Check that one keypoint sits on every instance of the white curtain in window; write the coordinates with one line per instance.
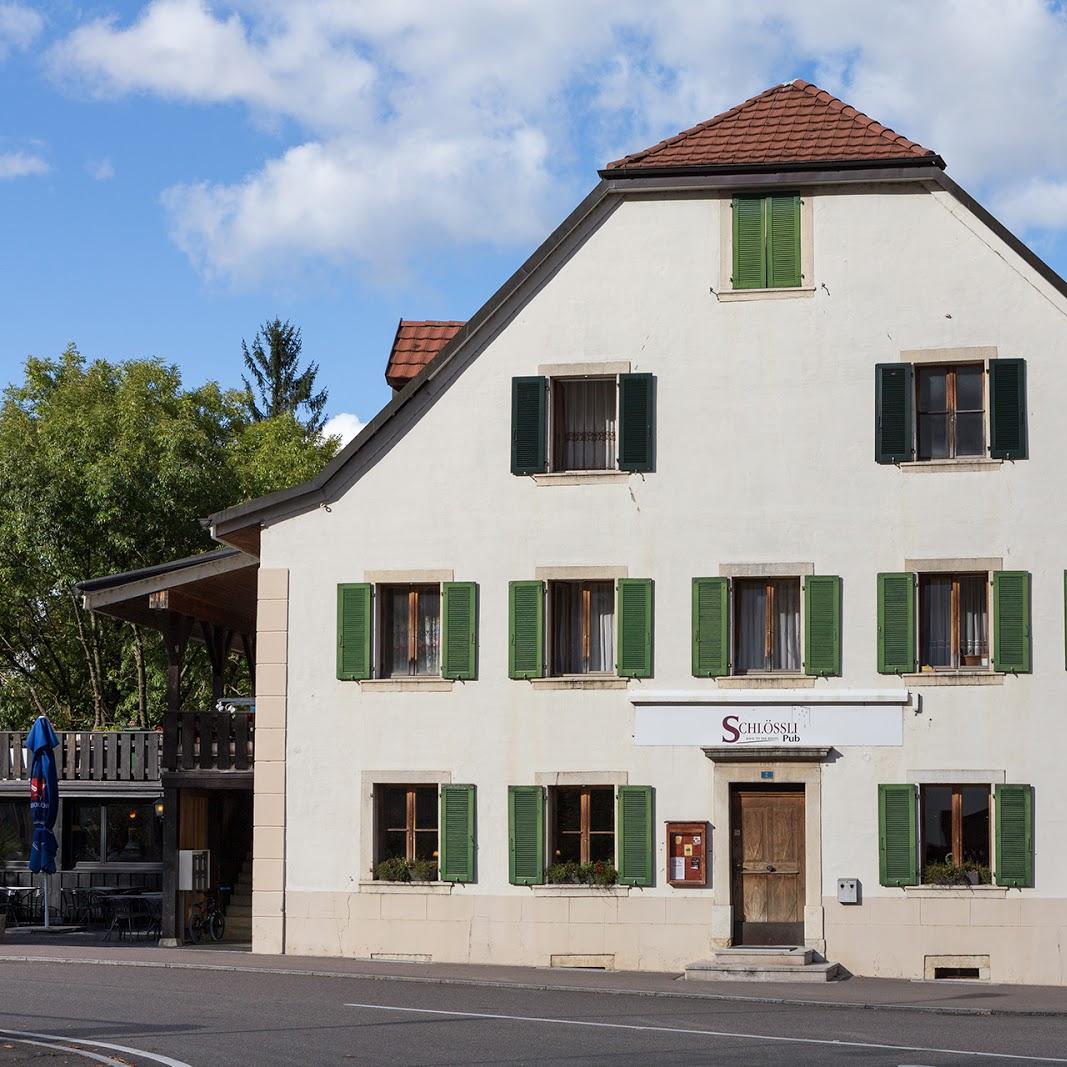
(787, 626)
(973, 640)
(587, 410)
(429, 636)
(601, 627)
(750, 654)
(937, 622)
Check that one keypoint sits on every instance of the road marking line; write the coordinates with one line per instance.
(154, 1057)
(712, 1033)
(68, 1048)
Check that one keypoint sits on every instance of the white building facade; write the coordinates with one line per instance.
(717, 558)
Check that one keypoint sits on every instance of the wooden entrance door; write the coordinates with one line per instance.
(767, 858)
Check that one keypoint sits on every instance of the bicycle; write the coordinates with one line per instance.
(207, 919)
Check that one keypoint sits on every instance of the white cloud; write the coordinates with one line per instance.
(344, 425)
(420, 123)
(101, 169)
(21, 165)
(19, 26)
(1037, 204)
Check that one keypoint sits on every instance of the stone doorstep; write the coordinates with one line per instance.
(773, 955)
(713, 971)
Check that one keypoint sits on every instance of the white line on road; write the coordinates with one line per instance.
(68, 1048)
(710, 1033)
(154, 1057)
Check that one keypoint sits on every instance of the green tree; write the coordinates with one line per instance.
(282, 387)
(107, 467)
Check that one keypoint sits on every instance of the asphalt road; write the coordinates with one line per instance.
(80, 1014)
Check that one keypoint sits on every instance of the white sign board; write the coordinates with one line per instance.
(790, 725)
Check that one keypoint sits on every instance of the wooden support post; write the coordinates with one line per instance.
(248, 643)
(171, 933)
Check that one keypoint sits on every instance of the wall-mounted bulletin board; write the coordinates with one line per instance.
(687, 855)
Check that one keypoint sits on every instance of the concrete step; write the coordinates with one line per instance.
(712, 971)
(770, 955)
(235, 911)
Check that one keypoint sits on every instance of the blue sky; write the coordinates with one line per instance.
(172, 173)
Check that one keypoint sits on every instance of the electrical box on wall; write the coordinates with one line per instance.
(848, 890)
(687, 853)
(194, 870)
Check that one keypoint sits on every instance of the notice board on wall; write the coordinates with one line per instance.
(687, 855)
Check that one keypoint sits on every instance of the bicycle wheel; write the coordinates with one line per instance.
(196, 929)
(216, 925)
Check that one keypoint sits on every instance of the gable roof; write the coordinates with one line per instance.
(796, 123)
(415, 344)
(240, 524)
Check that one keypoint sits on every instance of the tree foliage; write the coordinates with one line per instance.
(278, 385)
(107, 467)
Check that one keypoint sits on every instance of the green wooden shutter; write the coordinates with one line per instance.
(636, 419)
(896, 623)
(354, 631)
(636, 854)
(457, 833)
(1011, 621)
(894, 395)
(526, 834)
(898, 861)
(783, 241)
(528, 407)
(635, 628)
(459, 630)
(526, 629)
(1007, 408)
(711, 627)
(750, 261)
(822, 624)
(1014, 835)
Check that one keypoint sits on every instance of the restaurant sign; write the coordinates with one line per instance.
(787, 725)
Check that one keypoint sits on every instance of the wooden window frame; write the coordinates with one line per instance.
(584, 833)
(951, 410)
(409, 828)
(957, 820)
(584, 586)
(770, 631)
(956, 663)
(554, 446)
(415, 589)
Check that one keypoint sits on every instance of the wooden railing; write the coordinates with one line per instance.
(89, 755)
(208, 741)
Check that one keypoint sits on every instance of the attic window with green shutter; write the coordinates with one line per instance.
(766, 242)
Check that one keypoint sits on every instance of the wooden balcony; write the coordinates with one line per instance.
(130, 760)
(209, 743)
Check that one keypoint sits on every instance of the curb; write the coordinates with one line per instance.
(926, 1009)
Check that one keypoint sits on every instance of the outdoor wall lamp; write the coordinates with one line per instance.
(159, 809)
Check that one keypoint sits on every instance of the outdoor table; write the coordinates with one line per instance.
(16, 897)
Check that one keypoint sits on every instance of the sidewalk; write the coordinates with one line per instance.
(874, 993)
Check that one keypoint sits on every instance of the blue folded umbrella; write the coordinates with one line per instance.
(44, 795)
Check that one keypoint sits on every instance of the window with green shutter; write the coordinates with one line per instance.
(354, 631)
(897, 835)
(894, 435)
(1011, 621)
(711, 627)
(526, 834)
(766, 241)
(459, 630)
(896, 623)
(636, 411)
(635, 845)
(526, 629)
(457, 861)
(528, 410)
(822, 625)
(1014, 835)
(635, 628)
(1007, 409)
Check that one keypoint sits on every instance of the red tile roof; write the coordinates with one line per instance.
(792, 123)
(415, 344)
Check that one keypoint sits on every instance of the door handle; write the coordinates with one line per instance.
(770, 867)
